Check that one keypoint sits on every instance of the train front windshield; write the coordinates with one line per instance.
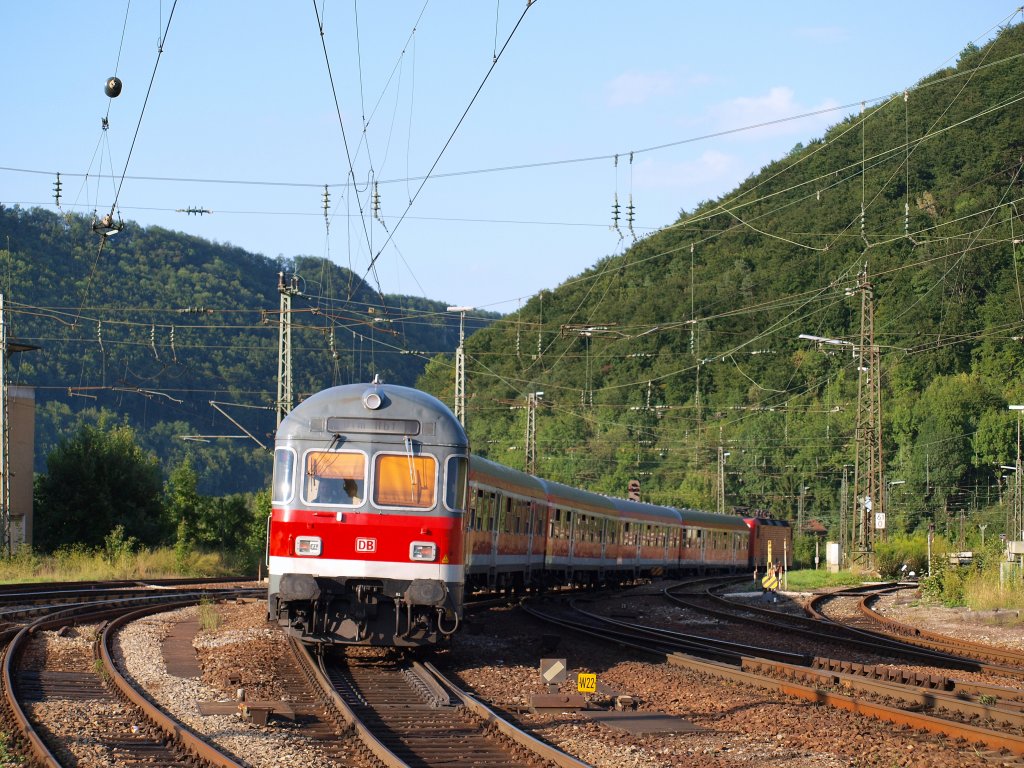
(405, 480)
(398, 480)
(335, 477)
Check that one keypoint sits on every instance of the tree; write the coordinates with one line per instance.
(96, 480)
(184, 504)
(204, 521)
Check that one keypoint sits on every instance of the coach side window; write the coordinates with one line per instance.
(455, 483)
(284, 475)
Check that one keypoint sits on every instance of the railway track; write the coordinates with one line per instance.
(820, 629)
(25, 606)
(135, 732)
(865, 618)
(30, 591)
(408, 714)
(147, 733)
(988, 716)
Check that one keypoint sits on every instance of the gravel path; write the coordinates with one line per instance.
(243, 644)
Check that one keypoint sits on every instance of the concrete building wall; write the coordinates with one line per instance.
(21, 410)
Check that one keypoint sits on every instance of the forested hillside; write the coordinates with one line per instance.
(679, 362)
(151, 326)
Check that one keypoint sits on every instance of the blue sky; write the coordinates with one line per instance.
(242, 120)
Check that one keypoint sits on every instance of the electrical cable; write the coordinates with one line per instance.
(451, 136)
(145, 102)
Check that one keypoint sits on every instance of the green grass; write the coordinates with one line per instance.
(807, 579)
(209, 617)
(7, 757)
(983, 592)
(84, 565)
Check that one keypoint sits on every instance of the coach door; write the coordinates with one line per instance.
(497, 524)
(532, 532)
(570, 527)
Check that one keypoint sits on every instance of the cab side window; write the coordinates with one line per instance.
(284, 475)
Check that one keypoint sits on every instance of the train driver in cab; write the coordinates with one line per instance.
(335, 490)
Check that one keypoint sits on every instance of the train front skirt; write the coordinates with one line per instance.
(365, 611)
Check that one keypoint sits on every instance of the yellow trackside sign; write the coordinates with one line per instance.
(586, 682)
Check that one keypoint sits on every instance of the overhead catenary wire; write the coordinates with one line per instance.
(145, 103)
(982, 113)
(341, 125)
(603, 157)
(451, 136)
(117, 64)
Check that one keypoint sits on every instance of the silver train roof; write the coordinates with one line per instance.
(365, 409)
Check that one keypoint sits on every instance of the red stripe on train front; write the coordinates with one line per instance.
(373, 537)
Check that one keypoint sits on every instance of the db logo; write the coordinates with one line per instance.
(366, 545)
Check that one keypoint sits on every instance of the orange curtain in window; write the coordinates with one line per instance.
(334, 464)
(405, 481)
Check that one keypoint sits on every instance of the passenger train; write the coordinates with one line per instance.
(382, 521)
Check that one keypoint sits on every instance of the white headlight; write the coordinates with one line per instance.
(425, 551)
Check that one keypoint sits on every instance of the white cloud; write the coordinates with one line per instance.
(706, 172)
(634, 88)
(777, 105)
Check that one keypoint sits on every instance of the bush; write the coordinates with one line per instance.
(909, 550)
(803, 551)
(95, 480)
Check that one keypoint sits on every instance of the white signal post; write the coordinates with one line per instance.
(5, 484)
(1015, 528)
(460, 366)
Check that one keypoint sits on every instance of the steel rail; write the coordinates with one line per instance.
(23, 727)
(44, 589)
(122, 598)
(934, 639)
(439, 686)
(820, 627)
(930, 723)
(951, 728)
(314, 672)
(170, 725)
(942, 693)
(519, 736)
(931, 698)
(923, 649)
(696, 643)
